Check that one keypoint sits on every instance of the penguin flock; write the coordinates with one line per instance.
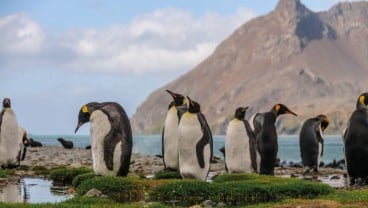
(187, 143)
(252, 146)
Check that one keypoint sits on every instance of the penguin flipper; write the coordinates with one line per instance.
(323, 145)
(163, 146)
(120, 132)
(199, 150)
(257, 124)
(252, 144)
(1, 117)
(206, 138)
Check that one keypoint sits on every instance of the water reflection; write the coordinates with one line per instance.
(31, 190)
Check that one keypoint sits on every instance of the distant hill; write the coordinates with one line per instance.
(314, 62)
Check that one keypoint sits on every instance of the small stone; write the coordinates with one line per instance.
(294, 175)
(221, 204)
(334, 177)
(308, 178)
(93, 193)
(209, 203)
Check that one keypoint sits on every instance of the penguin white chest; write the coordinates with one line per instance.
(171, 155)
(9, 145)
(100, 127)
(190, 133)
(237, 148)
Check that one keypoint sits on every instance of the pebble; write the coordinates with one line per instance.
(93, 193)
(209, 203)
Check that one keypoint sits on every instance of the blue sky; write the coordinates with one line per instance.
(57, 55)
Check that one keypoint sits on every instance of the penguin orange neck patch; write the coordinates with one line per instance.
(85, 109)
(361, 100)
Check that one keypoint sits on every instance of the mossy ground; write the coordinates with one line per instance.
(239, 190)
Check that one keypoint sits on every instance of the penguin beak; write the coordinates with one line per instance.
(171, 93)
(79, 125)
(190, 101)
(291, 112)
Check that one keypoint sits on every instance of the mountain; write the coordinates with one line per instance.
(314, 62)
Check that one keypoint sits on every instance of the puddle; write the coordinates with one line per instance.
(32, 190)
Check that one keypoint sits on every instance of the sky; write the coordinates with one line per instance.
(58, 55)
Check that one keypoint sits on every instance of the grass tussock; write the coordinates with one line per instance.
(65, 176)
(167, 175)
(238, 189)
(121, 189)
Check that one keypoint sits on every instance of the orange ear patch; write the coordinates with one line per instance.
(85, 109)
(277, 107)
(326, 120)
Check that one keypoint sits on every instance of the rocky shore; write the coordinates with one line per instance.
(146, 165)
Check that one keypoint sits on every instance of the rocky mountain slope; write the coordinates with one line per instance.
(314, 62)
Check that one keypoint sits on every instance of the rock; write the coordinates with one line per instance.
(93, 193)
(209, 203)
(308, 178)
(334, 177)
(221, 204)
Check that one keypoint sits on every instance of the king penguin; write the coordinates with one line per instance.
(9, 134)
(356, 141)
(195, 143)
(266, 137)
(170, 131)
(111, 137)
(240, 144)
(311, 142)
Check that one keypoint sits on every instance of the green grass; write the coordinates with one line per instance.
(238, 189)
(167, 175)
(82, 202)
(121, 189)
(250, 190)
(65, 176)
(3, 173)
(82, 177)
(347, 196)
(41, 170)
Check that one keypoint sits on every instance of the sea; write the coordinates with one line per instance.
(288, 145)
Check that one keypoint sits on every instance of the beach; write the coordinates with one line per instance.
(52, 156)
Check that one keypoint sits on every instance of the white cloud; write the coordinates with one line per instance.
(20, 35)
(163, 40)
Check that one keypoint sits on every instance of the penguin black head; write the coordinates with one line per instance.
(194, 107)
(324, 121)
(240, 112)
(178, 98)
(280, 109)
(362, 101)
(6, 103)
(84, 114)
